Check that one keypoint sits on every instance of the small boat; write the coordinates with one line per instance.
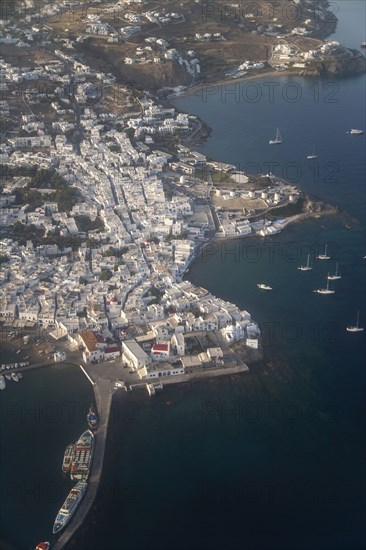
(325, 255)
(20, 375)
(43, 546)
(336, 275)
(356, 132)
(326, 290)
(8, 376)
(312, 156)
(262, 286)
(15, 376)
(307, 266)
(278, 139)
(355, 328)
(68, 458)
(363, 44)
(92, 418)
(2, 382)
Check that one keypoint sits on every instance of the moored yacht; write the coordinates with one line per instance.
(325, 255)
(326, 290)
(306, 267)
(262, 286)
(336, 275)
(312, 156)
(277, 140)
(355, 328)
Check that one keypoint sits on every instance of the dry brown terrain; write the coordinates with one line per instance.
(241, 25)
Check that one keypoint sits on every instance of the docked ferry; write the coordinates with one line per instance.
(82, 458)
(69, 507)
(92, 418)
(68, 457)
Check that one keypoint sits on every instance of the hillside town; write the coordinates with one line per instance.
(94, 245)
(103, 209)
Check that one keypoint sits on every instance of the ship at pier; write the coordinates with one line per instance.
(70, 506)
(83, 454)
(68, 458)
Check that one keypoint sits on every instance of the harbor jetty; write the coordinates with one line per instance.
(103, 393)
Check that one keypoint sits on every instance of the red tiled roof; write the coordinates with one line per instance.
(89, 339)
(111, 349)
(160, 347)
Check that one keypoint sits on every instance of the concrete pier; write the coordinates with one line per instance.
(103, 392)
(210, 373)
(87, 375)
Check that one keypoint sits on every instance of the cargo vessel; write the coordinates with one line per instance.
(83, 454)
(68, 457)
(69, 507)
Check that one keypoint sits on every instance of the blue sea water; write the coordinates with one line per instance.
(269, 460)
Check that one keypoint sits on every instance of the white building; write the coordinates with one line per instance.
(133, 354)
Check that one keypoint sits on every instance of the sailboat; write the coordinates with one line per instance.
(278, 139)
(262, 286)
(336, 275)
(324, 256)
(325, 290)
(355, 328)
(312, 156)
(307, 266)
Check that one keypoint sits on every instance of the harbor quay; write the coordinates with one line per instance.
(104, 389)
(103, 392)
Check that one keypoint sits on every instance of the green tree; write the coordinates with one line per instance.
(3, 258)
(106, 274)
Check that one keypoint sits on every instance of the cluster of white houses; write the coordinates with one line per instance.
(119, 291)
